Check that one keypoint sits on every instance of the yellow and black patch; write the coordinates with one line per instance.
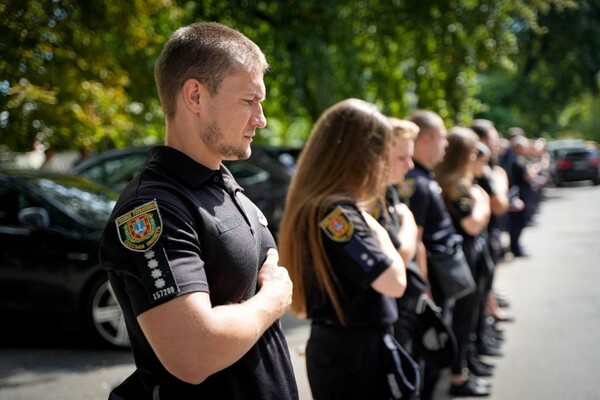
(337, 226)
(407, 188)
(376, 211)
(140, 228)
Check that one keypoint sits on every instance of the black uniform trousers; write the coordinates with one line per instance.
(345, 363)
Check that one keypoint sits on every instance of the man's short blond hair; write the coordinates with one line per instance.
(404, 128)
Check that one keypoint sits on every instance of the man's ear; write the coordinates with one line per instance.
(192, 91)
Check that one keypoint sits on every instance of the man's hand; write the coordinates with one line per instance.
(274, 282)
(194, 339)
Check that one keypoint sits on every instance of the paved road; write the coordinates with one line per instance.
(551, 350)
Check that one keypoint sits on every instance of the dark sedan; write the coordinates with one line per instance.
(265, 177)
(50, 227)
(572, 165)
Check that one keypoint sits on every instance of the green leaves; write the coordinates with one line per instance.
(79, 74)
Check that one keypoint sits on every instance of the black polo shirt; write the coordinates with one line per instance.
(178, 228)
(356, 260)
(388, 218)
(424, 197)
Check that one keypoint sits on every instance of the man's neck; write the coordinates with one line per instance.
(193, 147)
(422, 161)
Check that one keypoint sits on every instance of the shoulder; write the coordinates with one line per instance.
(407, 188)
(417, 182)
(341, 221)
(140, 223)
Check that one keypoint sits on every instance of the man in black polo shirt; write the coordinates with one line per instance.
(438, 239)
(189, 257)
(423, 195)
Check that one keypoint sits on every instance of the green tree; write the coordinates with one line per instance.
(558, 71)
(67, 72)
(79, 74)
(400, 55)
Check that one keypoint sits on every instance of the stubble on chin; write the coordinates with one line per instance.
(213, 136)
(229, 152)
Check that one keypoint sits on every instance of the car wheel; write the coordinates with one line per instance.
(104, 315)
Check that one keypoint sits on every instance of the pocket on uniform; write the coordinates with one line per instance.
(228, 224)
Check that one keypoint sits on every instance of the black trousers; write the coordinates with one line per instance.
(345, 363)
(517, 221)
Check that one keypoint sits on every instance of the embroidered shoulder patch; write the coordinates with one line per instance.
(337, 226)
(407, 188)
(140, 228)
(376, 211)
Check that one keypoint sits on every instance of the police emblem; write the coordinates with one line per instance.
(376, 211)
(406, 188)
(140, 228)
(337, 226)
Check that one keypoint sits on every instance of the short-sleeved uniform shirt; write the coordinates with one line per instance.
(459, 209)
(414, 280)
(178, 228)
(357, 260)
(485, 182)
(386, 215)
(518, 175)
(423, 196)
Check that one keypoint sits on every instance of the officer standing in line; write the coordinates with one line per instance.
(437, 235)
(344, 266)
(403, 231)
(494, 180)
(402, 228)
(521, 175)
(189, 257)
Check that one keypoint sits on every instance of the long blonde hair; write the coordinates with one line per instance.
(346, 158)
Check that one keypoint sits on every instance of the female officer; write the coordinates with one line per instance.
(469, 208)
(343, 264)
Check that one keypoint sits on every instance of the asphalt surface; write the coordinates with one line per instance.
(550, 352)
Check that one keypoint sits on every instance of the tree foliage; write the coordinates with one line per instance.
(557, 76)
(79, 74)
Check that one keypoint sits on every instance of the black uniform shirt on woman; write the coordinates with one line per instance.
(357, 260)
(179, 228)
(459, 209)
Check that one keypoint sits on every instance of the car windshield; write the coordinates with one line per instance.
(82, 199)
(115, 172)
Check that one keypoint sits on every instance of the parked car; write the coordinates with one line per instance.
(265, 176)
(576, 164)
(50, 228)
(286, 156)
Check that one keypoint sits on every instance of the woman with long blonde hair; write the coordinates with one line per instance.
(345, 269)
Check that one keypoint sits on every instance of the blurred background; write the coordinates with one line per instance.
(77, 75)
